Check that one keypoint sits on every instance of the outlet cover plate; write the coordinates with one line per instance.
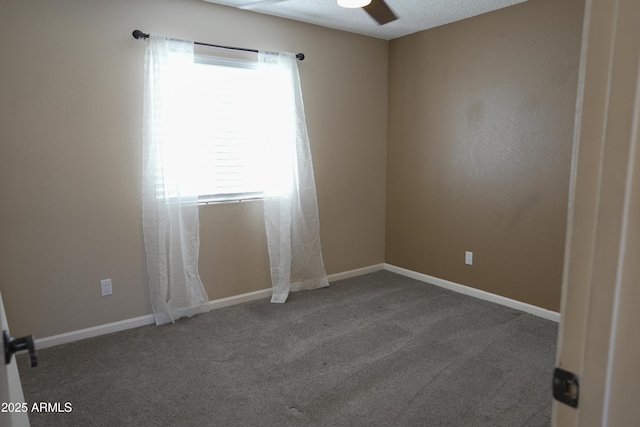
(468, 258)
(105, 285)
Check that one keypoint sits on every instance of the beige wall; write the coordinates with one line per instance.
(70, 155)
(479, 138)
(481, 117)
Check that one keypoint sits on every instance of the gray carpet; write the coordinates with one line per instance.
(376, 350)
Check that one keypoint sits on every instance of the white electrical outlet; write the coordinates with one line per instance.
(105, 285)
(468, 258)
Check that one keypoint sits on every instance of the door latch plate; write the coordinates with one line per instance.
(566, 387)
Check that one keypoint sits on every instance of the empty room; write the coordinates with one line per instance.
(420, 244)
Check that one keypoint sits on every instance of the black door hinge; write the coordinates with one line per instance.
(566, 387)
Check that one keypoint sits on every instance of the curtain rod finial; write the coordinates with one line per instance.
(300, 56)
(137, 34)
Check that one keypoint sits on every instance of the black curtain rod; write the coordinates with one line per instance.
(137, 34)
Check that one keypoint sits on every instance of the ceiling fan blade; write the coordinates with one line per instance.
(379, 11)
(254, 4)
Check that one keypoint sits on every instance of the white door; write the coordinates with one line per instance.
(12, 413)
(599, 338)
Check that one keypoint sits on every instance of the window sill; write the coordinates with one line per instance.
(227, 201)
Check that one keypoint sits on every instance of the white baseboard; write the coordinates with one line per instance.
(239, 299)
(265, 293)
(139, 321)
(94, 331)
(122, 325)
(477, 293)
(355, 273)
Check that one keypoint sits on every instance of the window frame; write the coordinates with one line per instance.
(207, 199)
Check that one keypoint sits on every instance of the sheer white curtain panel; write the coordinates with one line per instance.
(290, 204)
(169, 195)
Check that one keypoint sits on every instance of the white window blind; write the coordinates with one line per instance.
(227, 121)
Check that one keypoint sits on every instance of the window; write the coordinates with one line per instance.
(227, 125)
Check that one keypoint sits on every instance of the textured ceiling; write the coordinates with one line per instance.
(414, 15)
